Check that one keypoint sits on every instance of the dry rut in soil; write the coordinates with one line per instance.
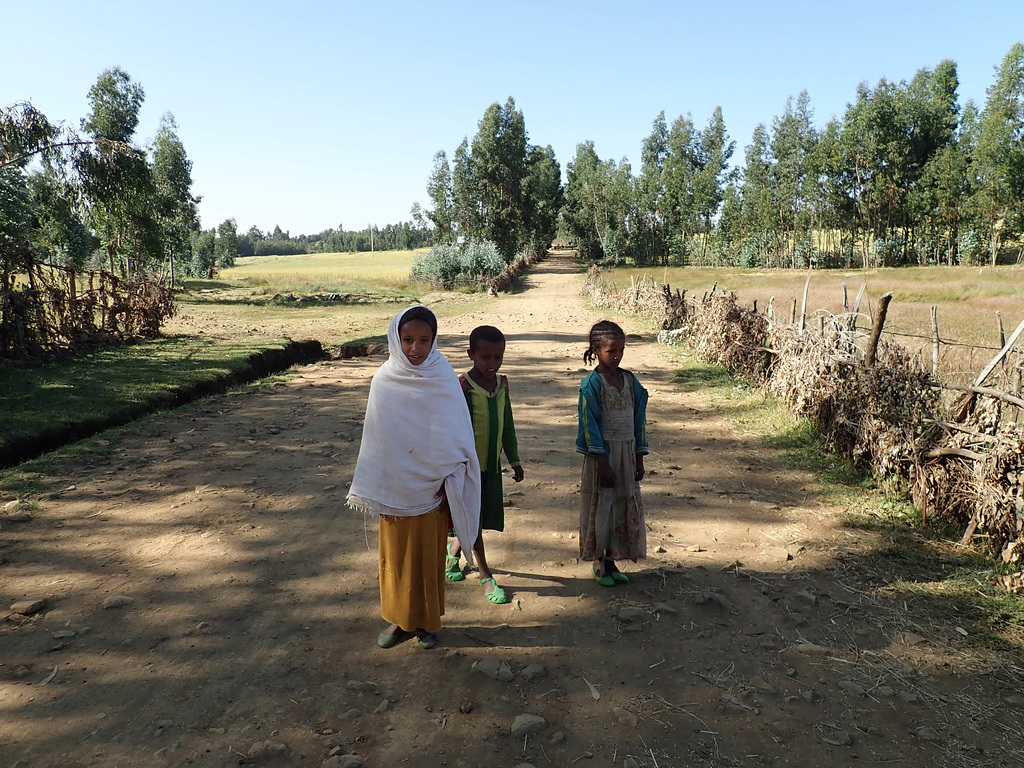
(243, 601)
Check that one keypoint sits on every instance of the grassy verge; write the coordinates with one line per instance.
(49, 405)
(222, 334)
(921, 568)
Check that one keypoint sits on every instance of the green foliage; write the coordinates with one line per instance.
(402, 236)
(116, 101)
(204, 260)
(175, 205)
(499, 188)
(448, 265)
(225, 247)
(903, 177)
(439, 188)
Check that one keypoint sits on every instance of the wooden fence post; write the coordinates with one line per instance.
(856, 307)
(1002, 353)
(803, 305)
(876, 329)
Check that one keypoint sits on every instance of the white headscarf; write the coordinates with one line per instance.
(416, 435)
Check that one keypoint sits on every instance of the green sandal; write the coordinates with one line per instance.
(604, 581)
(452, 569)
(496, 595)
(613, 570)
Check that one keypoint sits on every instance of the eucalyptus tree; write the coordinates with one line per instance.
(756, 208)
(498, 187)
(40, 215)
(714, 150)
(117, 179)
(650, 189)
(542, 198)
(175, 205)
(792, 150)
(226, 245)
(204, 259)
(599, 206)
(998, 198)
(832, 196)
(587, 206)
(466, 205)
(439, 190)
(678, 171)
(499, 167)
(59, 236)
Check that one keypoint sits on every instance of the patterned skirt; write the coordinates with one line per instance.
(612, 519)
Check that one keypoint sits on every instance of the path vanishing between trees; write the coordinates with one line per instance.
(194, 591)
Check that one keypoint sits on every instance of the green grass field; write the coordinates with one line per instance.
(384, 271)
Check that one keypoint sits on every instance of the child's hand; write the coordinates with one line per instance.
(605, 477)
(639, 467)
(517, 474)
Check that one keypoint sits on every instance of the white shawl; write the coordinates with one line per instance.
(418, 433)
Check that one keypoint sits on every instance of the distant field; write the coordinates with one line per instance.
(239, 302)
(967, 298)
(325, 272)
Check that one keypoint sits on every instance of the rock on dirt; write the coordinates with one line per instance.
(29, 606)
(526, 724)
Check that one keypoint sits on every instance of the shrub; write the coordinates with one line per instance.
(448, 265)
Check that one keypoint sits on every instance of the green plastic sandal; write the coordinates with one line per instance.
(618, 576)
(452, 569)
(496, 595)
(604, 581)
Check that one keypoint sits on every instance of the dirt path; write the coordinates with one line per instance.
(246, 608)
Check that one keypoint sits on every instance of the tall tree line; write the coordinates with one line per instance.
(498, 187)
(391, 237)
(906, 176)
(93, 196)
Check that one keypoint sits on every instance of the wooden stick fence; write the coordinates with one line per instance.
(963, 460)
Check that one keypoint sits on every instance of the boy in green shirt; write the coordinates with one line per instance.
(491, 411)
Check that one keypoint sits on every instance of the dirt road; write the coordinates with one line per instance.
(210, 601)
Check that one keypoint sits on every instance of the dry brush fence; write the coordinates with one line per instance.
(56, 308)
(959, 448)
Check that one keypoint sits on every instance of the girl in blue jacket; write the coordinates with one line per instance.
(613, 438)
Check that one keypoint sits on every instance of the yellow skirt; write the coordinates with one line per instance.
(411, 570)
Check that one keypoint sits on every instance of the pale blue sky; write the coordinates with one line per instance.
(313, 114)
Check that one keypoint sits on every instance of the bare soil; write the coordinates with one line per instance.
(244, 607)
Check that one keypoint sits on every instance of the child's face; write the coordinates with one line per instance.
(609, 354)
(487, 358)
(417, 339)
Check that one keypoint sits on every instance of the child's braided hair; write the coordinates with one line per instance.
(605, 329)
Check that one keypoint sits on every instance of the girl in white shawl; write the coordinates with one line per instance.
(417, 467)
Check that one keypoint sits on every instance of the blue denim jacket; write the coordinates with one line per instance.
(589, 438)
